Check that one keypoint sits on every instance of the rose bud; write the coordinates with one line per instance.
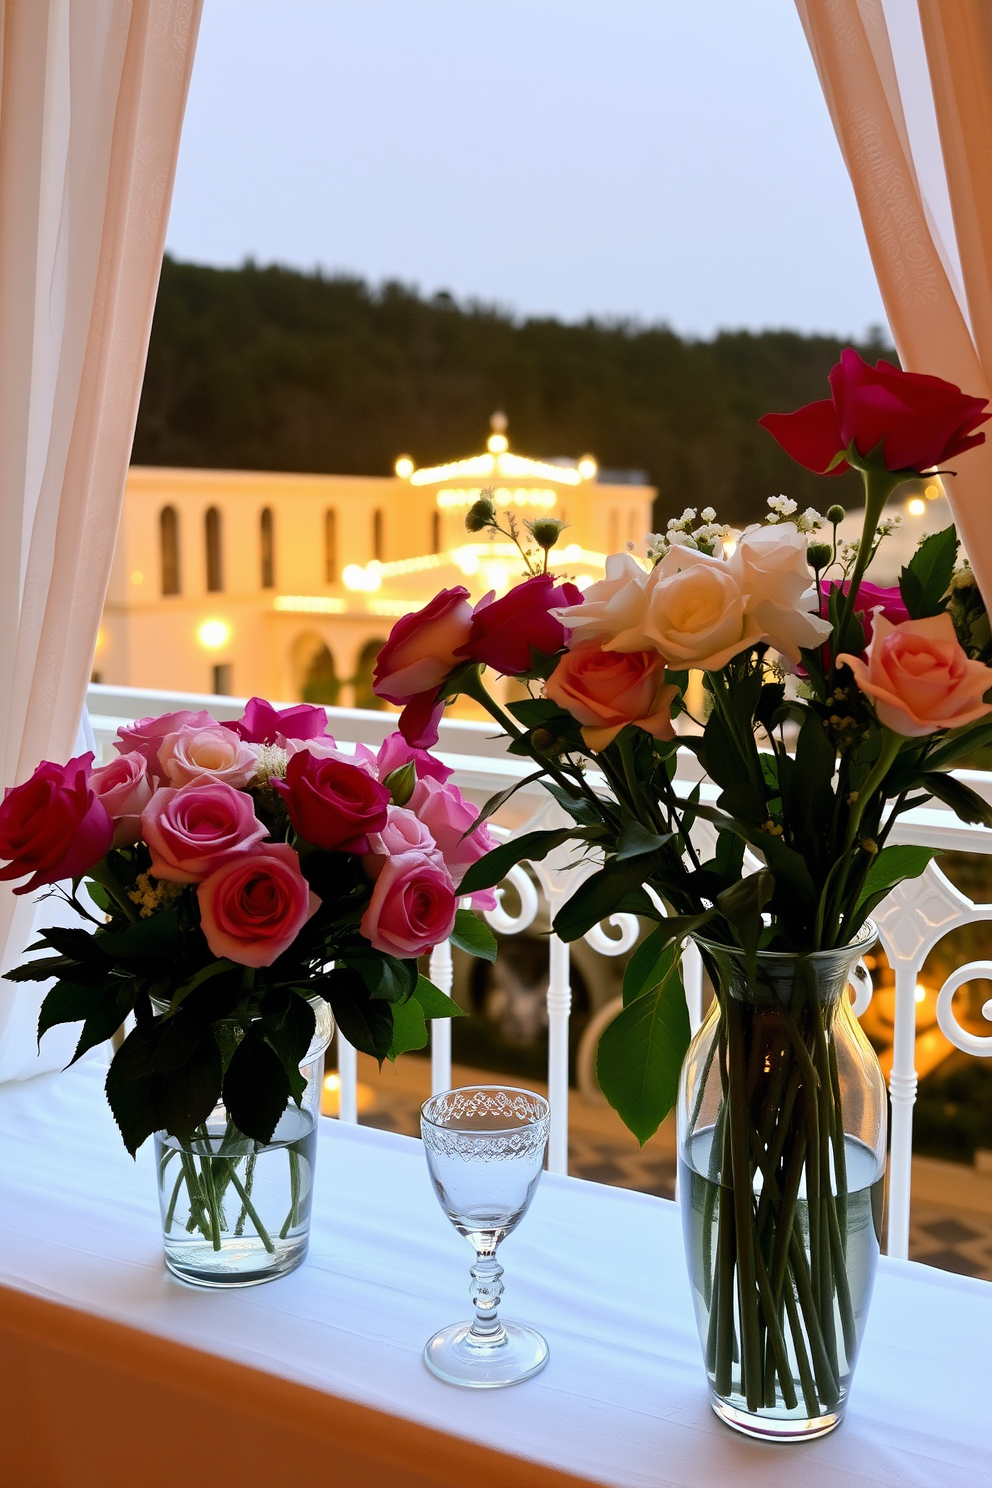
(506, 630)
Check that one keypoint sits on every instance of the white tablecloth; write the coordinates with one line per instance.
(599, 1270)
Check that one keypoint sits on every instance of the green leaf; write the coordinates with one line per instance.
(256, 1086)
(966, 804)
(205, 974)
(156, 936)
(500, 799)
(103, 1022)
(650, 963)
(434, 1002)
(959, 744)
(41, 970)
(386, 977)
(535, 712)
(289, 1029)
(131, 1089)
(78, 945)
(366, 1023)
(641, 1052)
(473, 935)
(894, 864)
(741, 905)
(401, 782)
(600, 896)
(926, 579)
(68, 1002)
(409, 1028)
(637, 841)
(532, 847)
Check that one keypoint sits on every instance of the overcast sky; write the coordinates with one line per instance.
(661, 159)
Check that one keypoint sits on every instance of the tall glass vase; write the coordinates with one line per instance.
(782, 1136)
(236, 1212)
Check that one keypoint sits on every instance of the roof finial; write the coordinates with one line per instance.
(497, 442)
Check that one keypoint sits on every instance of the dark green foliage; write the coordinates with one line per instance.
(270, 369)
(641, 1052)
(924, 582)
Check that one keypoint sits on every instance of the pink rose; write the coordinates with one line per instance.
(260, 723)
(919, 677)
(604, 690)
(253, 908)
(504, 631)
(405, 832)
(331, 803)
(145, 735)
(423, 648)
(199, 754)
(447, 815)
(125, 790)
(871, 598)
(54, 825)
(192, 831)
(412, 908)
(395, 752)
(327, 748)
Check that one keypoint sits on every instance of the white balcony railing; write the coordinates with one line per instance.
(911, 922)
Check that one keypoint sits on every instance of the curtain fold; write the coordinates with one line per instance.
(92, 95)
(940, 325)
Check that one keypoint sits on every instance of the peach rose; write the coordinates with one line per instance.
(201, 754)
(604, 690)
(695, 613)
(918, 676)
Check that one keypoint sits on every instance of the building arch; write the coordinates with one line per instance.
(378, 535)
(267, 548)
(314, 672)
(213, 542)
(168, 541)
(364, 696)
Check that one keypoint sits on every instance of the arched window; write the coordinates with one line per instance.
(168, 542)
(268, 550)
(215, 566)
(435, 532)
(330, 546)
(378, 544)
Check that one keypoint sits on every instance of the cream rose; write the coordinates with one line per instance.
(919, 678)
(612, 606)
(770, 564)
(193, 755)
(695, 613)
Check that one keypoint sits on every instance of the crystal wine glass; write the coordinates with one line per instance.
(485, 1148)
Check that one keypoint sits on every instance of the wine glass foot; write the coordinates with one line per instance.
(518, 1355)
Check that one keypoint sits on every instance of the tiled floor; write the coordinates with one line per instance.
(953, 1240)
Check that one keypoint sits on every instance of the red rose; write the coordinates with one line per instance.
(260, 722)
(423, 648)
(253, 908)
(332, 804)
(505, 630)
(54, 825)
(919, 421)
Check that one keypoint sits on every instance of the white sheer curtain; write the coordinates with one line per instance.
(92, 94)
(909, 89)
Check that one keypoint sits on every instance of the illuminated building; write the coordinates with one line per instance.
(286, 585)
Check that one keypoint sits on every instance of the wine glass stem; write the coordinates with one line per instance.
(487, 1288)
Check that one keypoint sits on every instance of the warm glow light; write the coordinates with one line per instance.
(394, 607)
(309, 604)
(501, 463)
(101, 640)
(583, 581)
(497, 443)
(213, 634)
(363, 580)
(921, 992)
(917, 506)
(137, 577)
(588, 468)
(404, 467)
(932, 491)
(330, 1096)
(520, 496)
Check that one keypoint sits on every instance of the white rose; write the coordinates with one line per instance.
(611, 606)
(773, 573)
(695, 613)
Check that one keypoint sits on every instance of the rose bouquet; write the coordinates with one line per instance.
(239, 879)
(830, 707)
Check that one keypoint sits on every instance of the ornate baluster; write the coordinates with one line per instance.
(442, 975)
(559, 1012)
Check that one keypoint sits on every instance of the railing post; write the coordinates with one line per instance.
(348, 1075)
(442, 974)
(902, 1094)
(559, 1011)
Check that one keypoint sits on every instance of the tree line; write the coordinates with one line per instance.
(267, 368)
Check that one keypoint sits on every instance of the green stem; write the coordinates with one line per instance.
(891, 745)
(879, 485)
(245, 1197)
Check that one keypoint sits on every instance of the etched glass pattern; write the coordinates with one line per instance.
(485, 1148)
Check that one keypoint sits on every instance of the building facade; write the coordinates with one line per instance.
(284, 585)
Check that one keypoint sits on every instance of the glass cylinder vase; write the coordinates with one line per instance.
(236, 1212)
(782, 1138)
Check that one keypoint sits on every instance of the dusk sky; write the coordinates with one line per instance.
(657, 159)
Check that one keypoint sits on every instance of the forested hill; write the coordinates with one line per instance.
(270, 369)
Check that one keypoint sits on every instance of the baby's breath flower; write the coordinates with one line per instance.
(784, 505)
(271, 762)
(151, 894)
(708, 514)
